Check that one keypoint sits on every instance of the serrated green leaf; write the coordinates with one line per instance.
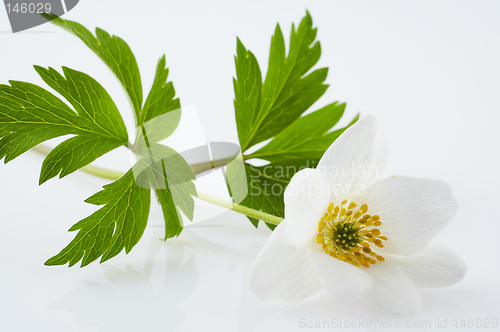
(75, 153)
(306, 138)
(161, 98)
(171, 215)
(287, 91)
(172, 178)
(121, 222)
(90, 100)
(264, 187)
(116, 226)
(168, 173)
(247, 91)
(274, 109)
(30, 115)
(117, 55)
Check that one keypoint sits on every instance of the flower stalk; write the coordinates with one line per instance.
(269, 218)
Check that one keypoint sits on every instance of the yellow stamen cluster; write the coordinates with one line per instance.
(347, 234)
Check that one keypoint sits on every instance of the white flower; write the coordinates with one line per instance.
(358, 234)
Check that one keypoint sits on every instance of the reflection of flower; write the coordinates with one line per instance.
(358, 234)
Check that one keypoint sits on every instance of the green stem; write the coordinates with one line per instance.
(114, 175)
(269, 218)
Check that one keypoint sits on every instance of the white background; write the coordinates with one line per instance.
(429, 69)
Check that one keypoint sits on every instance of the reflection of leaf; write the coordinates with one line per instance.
(273, 109)
(130, 302)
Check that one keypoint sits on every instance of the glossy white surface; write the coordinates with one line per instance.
(428, 69)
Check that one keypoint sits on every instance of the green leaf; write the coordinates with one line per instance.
(287, 91)
(161, 98)
(167, 171)
(89, 99)
(172, 178)
(273, 109)
(30, 115)
(180, 178)
(247, 91)
(117, 55)
(118, 225)
(163, 188)
(173, 220)
(265, 190)
(151, 117)
(161, 113)
(306, 138)
(73, 154)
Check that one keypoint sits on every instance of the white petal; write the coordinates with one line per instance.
(392, 290)
(306, 199)
(412, 211)
(344, 281)
(435, 266)
(283, 272)
(357, 158)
